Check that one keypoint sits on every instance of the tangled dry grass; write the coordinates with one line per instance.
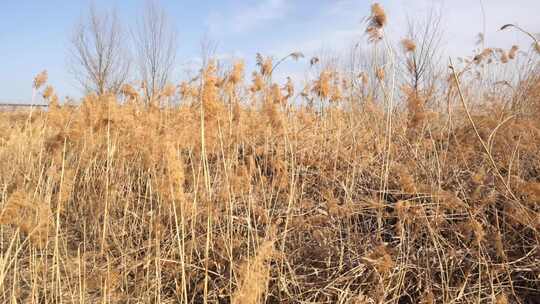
(238, 195)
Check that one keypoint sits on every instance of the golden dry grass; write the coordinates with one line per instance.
(231, 192)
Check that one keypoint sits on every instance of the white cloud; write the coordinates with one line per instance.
(335, 26)
(265, 11)
(248, 18)
(332, 27)
(461, 21)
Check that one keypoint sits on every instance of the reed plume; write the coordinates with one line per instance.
(255, 276)
(40, 79)
(376, 22)
(408, 45)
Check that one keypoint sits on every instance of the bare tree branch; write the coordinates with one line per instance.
(421, 63)
(97, 56)
(155, 43)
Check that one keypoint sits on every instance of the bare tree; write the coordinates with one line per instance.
(155, 43)
(422, 52)
(361, 64)
(208, 49)
(97, 56)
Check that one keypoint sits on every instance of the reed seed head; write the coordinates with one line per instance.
(408, 45)
(513, 52)
(378, 15)
(40, 79)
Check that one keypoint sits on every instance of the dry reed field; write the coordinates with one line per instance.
(232, 189)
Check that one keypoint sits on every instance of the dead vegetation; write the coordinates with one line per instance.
(227, 191)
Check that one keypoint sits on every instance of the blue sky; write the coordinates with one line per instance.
(34, 34)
